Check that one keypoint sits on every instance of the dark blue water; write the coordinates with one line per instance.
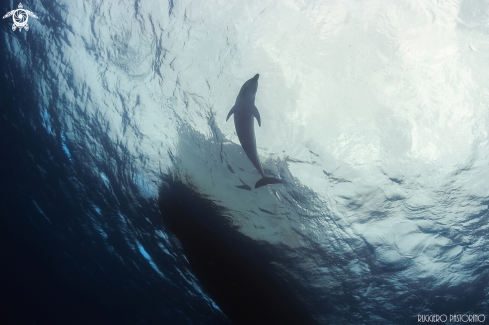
(70, 246)
(124, 200)
(73, 248)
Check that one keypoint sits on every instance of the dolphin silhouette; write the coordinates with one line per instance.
(244, 109)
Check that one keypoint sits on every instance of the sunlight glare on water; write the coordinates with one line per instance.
(375, 114)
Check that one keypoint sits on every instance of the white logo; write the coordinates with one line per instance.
(20, 17)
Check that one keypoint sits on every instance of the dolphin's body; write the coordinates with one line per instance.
(244, 109)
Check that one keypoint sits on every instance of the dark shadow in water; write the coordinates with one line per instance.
(243, 291)
(55, 266)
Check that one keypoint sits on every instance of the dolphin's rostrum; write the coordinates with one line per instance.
(244, 109)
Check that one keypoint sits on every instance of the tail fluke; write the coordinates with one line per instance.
(266, 181)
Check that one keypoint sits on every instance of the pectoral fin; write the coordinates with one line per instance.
(256, 114)
(8, 14)
(231, 112)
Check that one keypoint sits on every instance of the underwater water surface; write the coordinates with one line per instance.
(117, 158)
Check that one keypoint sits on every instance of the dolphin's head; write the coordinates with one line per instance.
(250, 87)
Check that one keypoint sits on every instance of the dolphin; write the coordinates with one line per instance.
(244, 110)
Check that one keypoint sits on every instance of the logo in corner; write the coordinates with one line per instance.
(20, 17)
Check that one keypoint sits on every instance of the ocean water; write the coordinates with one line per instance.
(375, 114)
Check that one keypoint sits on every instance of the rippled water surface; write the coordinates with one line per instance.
(375, 114)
